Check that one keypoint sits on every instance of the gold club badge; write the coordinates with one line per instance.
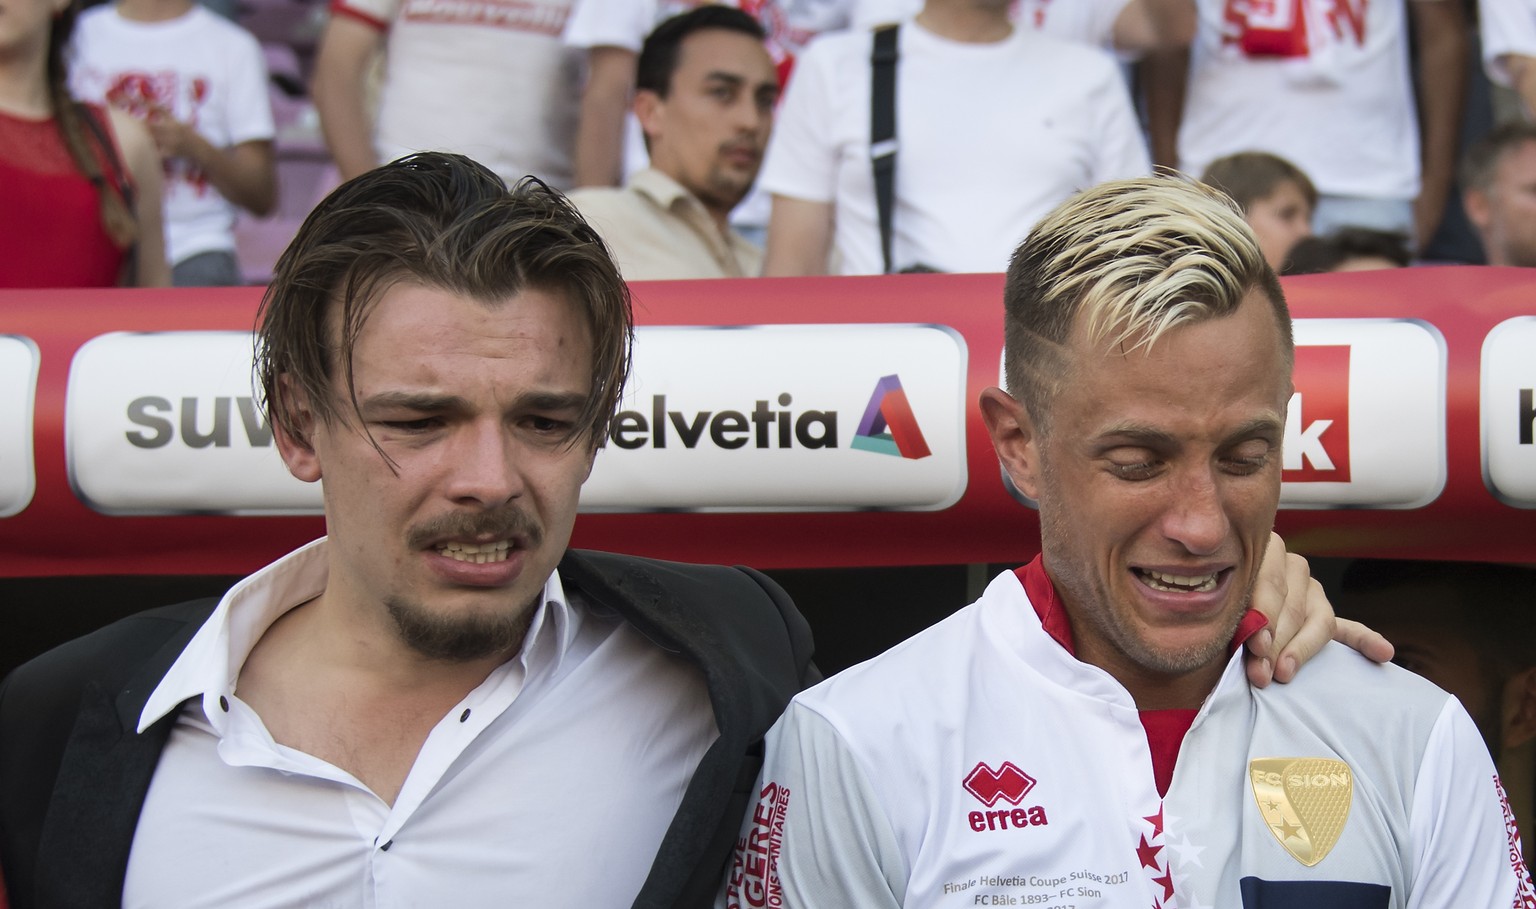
(1304, 802)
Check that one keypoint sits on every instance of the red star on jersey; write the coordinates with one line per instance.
(1167, 881)
(1156, 821)
(1148, 854)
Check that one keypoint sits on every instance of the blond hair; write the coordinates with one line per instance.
(1134, 258)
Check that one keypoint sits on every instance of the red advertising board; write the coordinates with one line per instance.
(842, 430)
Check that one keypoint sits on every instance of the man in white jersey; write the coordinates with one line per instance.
(1083, 736)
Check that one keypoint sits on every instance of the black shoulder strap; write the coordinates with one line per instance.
(882, 131)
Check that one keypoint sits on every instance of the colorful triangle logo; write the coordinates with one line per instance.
(888, 427)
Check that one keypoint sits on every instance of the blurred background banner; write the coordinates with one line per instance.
(784, 423)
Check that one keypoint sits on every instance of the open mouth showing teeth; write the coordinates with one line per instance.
(1178, 583)
(479, 553)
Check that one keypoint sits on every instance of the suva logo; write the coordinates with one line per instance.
(888, 426)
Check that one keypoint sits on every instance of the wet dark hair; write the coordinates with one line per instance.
(443, 221)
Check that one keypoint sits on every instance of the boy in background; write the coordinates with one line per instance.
(1276, 197)
(200, 84)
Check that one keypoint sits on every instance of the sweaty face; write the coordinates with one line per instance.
(1279, 220)
(1510, 233)
(1159, 475)
(710, 130)
(474, 404)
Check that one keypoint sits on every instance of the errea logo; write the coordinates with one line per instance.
(1009, 784)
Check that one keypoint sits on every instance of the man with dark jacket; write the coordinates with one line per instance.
(438, 703)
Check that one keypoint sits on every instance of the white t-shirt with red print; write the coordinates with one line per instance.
(1324, 84)
(201, 69)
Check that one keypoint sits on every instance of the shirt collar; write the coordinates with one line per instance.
(662, 189)
(210, 665)
(1042, 594)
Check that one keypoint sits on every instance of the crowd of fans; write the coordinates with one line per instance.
(1316, 115)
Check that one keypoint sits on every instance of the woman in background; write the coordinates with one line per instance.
(79, 185)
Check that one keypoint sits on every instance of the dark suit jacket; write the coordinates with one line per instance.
(73, 773)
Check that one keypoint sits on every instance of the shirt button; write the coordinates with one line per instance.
(223, 703)
(464, 716)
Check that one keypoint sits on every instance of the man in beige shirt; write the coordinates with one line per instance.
(705, 92)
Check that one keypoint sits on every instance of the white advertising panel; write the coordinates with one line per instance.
(779, 418)
(1366, 426)
(18, 402)
(788, 418)
(166, 423)
(1508, 411)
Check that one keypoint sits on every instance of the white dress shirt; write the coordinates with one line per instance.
(550, 784)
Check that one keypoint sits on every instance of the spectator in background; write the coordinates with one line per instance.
(491, 81)
(1275, 195)
(1471, 629)
(1348, 249)
(1328, 86)
(972, 173)
(707, 89)
(610, 142)
(199, 83)
(79, 184)
(1508, 29)
(610, 31)
(1498, 179)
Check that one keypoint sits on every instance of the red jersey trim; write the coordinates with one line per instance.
(1165, 729)
(1041, 591)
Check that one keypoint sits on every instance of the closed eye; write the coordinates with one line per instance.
(1135, 471)
(409, 426)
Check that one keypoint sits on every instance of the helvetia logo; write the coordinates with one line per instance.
(888, 426)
